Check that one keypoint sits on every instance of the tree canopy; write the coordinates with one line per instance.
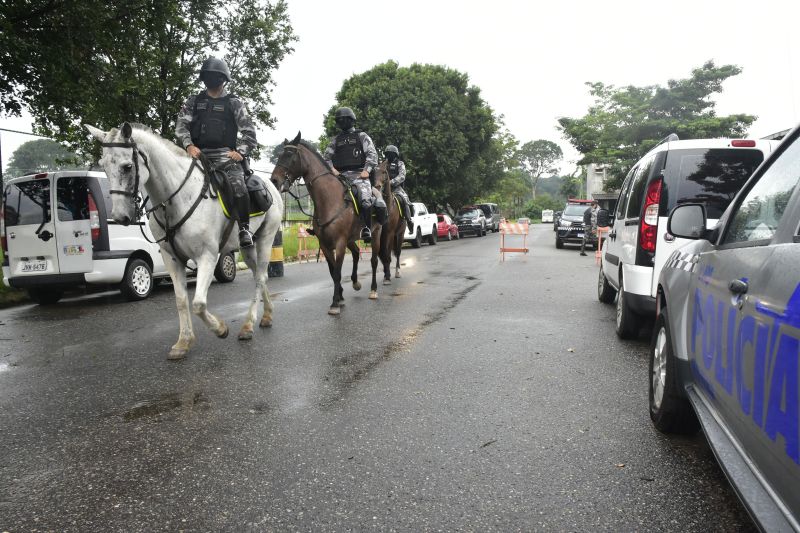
(450, 139)
(539, 158)
(624, 123)
(102, 63)
(40, 155)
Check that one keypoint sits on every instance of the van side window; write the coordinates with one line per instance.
(72, 199)
(623, 197)
(27, 202)
(758, 215)
(637, 189)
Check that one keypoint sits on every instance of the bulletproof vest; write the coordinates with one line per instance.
(213, 122)
(348, 154)
(394, 169)
(602, 218)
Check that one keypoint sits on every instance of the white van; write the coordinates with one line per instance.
(547, 215)
(57, 234)
(704, 171)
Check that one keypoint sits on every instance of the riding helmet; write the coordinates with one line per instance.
(214, 64)
(391, 149)
(343, 112)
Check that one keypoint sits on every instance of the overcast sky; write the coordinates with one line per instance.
(531, 59)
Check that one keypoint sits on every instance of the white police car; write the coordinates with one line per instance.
(725, 354)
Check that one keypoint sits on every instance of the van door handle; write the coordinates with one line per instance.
(612, 235)
(738, 286)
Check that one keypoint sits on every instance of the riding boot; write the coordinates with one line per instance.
(409, 222)
(243, 212)
(366, 219)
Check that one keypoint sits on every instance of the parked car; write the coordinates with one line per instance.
(547, 215)
(706, 171)
(492, 214)
(556, 219)
(446, 228)
(425, 226)
(726, 344)
(570, 224)
(470, 219)
(56, 235)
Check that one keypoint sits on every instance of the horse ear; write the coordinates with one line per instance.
(127, 131)
(296, 139)
(285, 141)
(97, 133)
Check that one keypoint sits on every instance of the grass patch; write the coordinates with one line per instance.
(8, 295)
(291, 243)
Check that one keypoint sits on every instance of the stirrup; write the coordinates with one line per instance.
(245, 238)
(366, 233)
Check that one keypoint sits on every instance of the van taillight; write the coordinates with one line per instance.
(94, 218)
(648, 230)
(3, 241)
(743, 143)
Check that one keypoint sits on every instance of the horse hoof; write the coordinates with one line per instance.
(397, 274)
(265, 323)
(356, 286)
(245, 335)
(224, 334)
(334, 311)
(176, 354)
(387, 281)
(373, 295)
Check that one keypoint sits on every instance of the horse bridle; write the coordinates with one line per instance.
(134, 194)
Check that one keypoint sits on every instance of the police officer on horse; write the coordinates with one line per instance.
(397, 172)
(352, 154)
(217, 124)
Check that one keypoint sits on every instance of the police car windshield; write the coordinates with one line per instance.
(574, 210)
(464, 212)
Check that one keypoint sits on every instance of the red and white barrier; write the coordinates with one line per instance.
(513, 228)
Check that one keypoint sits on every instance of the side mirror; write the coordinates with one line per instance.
(687, 221)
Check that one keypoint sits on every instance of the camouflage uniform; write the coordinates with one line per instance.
(365, 192)
(245, 142)
(397, 188)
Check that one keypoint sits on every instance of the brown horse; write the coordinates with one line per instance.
(336, 223)
(393, 233)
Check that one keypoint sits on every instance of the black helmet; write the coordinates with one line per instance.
(391, 149)
(214, 64)
(343, 112)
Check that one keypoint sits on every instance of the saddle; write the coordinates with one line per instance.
(260, 198)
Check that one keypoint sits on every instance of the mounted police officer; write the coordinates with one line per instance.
(352, 154)
(397, 172)
(216, 123)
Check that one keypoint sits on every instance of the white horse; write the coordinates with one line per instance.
(133, 158)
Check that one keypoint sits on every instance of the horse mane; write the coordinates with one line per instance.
(313, 150)
(169, 145)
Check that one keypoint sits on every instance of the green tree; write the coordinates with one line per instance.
(451, 141)
(509, 193)
(102, 63)
(625, 123)
(40, 155)
(539, 158)
(533, 209)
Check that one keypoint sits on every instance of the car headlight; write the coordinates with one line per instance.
(476, 219)
(565, 223)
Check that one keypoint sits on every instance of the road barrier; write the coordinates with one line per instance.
(303, 250)
(513, 228)
(598, 249)
(275, 267)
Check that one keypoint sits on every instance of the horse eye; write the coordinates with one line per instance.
(127, 167)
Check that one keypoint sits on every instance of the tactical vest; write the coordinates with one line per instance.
(213, 122)
(394, 169)
(348, 153)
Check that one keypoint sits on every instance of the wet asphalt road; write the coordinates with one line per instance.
(473, 395)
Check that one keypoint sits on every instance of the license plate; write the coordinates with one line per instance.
(580, 235)
(34, 266)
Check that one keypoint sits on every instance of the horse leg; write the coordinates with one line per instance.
(335, 308)
(398, 247)
(386, 260)
(250, 256)
(376, 250)
(264, 247)
(353, 247)
(205, 270)
(177, 274)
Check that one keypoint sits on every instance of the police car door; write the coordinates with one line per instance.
(744, 330)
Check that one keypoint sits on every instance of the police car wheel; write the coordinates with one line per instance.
(670, 411)
(605, 292)
(628, 322)
(559, 243)
(138, 281)
(225, 272)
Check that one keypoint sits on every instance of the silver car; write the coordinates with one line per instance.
(726, 348)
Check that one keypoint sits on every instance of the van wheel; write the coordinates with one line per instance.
(670, 411)
(226, 268)
(605, 292)
(45, 296)
(628, 322)
(138, 281)
(417, 242)
(433, 238)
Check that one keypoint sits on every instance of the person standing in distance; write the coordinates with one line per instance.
(352, 154)
(217, 124)
(589, 226)
(397, 172)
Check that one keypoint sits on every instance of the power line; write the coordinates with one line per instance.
(24, 133)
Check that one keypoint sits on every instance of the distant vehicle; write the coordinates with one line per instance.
(675, 172)
(471, 219)
(492, 214)
(446, 228)
(523, 220)
(425, 225)
(547, 215)
(570, 224)
(57, 234)
(724, 353)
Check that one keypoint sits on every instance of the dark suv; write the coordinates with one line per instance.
(492, 214)
(570, 223)
(470, 219)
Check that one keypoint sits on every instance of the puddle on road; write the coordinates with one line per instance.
(4, 367)
(165, 404)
